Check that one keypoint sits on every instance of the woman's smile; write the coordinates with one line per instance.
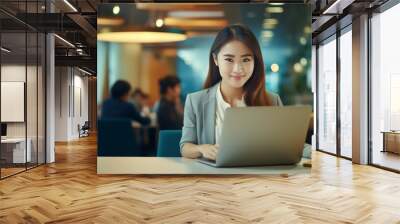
(237, 77)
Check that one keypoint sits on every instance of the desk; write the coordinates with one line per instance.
(179, 165)
(16, 147)
(391, 141)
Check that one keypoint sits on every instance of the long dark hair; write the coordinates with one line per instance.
(254, 88)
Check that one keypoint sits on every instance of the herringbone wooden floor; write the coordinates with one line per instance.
(70, 191)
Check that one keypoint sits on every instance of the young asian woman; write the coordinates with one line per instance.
(236, 78)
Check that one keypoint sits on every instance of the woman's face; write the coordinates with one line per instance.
(235, 62)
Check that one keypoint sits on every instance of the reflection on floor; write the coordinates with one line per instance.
(387, 159)
(10, 169)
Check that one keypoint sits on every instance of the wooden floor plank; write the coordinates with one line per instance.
(70, 191)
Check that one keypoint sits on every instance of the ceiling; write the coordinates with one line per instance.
(76, 20)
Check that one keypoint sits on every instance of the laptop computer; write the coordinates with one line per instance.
(261, 136)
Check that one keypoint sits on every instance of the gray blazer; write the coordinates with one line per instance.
(199, 116)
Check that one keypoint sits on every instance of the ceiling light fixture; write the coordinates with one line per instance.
(196, 14)
(303, 41)
(84, 71)
(298, 67)
(274, 10)
(177, 22)
(143, 35)
(65, 41)
(303, 61)
(267, 33)
(271, 21)
(337, 7)
(275, 67)
(5, 50)
(70, 5)
(103, 21)
(116, 10)
(159, 22)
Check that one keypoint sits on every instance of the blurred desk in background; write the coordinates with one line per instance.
(13, 150)
(391, 141)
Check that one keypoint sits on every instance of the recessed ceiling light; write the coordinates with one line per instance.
(303, 41)
(5, 50)
(298, 67)
(65, 41)
(303, 61)
(116, 10)
(275, 67)
(159, 23)
(274, 10)
(84, 71)
(70, 5)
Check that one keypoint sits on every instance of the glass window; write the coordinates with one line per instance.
(385, 87)
(346, 94)
(15, 149)
(327, 96)
(22, 92)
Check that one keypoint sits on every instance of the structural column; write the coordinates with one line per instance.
(360, 89)
(50, 92)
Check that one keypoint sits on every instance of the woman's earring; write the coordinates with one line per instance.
(215, 60)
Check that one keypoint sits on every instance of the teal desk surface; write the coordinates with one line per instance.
(179, 165)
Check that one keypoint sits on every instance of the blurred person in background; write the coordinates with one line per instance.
(118, 106)
(141, 101)
(170, 109)
(137, 98)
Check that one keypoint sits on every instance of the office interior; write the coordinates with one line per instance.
(143, 65)
(49, 84)
(337, 86)
(39, 108)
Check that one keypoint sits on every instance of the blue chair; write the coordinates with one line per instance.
(168, 143)
(116, 137)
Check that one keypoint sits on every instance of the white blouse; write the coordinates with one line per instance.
(220, 112)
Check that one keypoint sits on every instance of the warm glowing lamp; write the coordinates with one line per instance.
(143, 35)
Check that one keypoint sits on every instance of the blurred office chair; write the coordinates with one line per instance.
(168, 143)
(116, 137)
(83, 130)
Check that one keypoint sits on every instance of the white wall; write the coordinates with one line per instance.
(33, 127)
(62, 81)
(13, 73)
(70, 83)
(79, 117)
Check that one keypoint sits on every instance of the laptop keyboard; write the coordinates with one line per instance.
(207, 160)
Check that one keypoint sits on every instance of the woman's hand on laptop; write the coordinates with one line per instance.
(208, 151)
